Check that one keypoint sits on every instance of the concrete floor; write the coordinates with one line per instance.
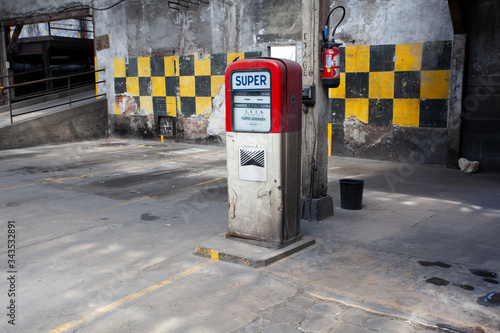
(105, 234)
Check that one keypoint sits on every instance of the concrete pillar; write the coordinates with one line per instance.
(316, 203)
(3, 58)
(455, 100)
(4, 71)
(456, 84)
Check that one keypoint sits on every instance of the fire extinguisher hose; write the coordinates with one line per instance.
(328, 22)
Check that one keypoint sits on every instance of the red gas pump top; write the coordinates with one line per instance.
(263, 95)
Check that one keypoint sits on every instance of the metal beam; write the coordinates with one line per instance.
(14, 39)
(456, 17)
(74, 14)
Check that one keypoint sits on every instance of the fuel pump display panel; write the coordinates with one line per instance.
(251, 101)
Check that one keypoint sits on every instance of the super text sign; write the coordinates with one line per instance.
(251, 80)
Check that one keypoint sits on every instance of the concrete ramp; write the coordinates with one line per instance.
(86, 121)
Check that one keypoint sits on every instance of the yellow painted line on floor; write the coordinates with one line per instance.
(330, 139)
(191, 186)
(14, 187)
(214, 254)
(130, 297)
(60, 180)
(72, 155)
(133, 201)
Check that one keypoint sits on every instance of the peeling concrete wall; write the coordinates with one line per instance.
(139, 30)
(251, 25)
(217, 121)
(204, 35)
(194, 44)
(270, 22)
(396, 72)
(394, 143)
(372, 22)
(26, 8)
(387, 88)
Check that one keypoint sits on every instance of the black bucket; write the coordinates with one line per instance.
(351, 193)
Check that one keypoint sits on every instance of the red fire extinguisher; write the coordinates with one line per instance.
(330, 70)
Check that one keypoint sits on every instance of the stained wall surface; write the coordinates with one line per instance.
(166, 61)
(481, 107)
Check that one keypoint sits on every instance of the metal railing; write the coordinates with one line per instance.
(42, 70)
(68, 89)
(81, 31)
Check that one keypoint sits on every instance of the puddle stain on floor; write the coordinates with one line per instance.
(149, 217)
(484, 273)
(464, 286)
(492, 299)
(438, 281)
(433, 263)
(489, 276)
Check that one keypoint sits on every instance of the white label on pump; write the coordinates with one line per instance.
(252, 164)
(251, 101)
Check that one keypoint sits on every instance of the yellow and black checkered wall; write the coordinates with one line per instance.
(400, 84)
(154, 82)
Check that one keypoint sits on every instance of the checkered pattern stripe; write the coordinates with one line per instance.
(155, 82)
(401, 84)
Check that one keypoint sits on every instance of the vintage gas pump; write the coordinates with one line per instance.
(330, 70)
(263, 126)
